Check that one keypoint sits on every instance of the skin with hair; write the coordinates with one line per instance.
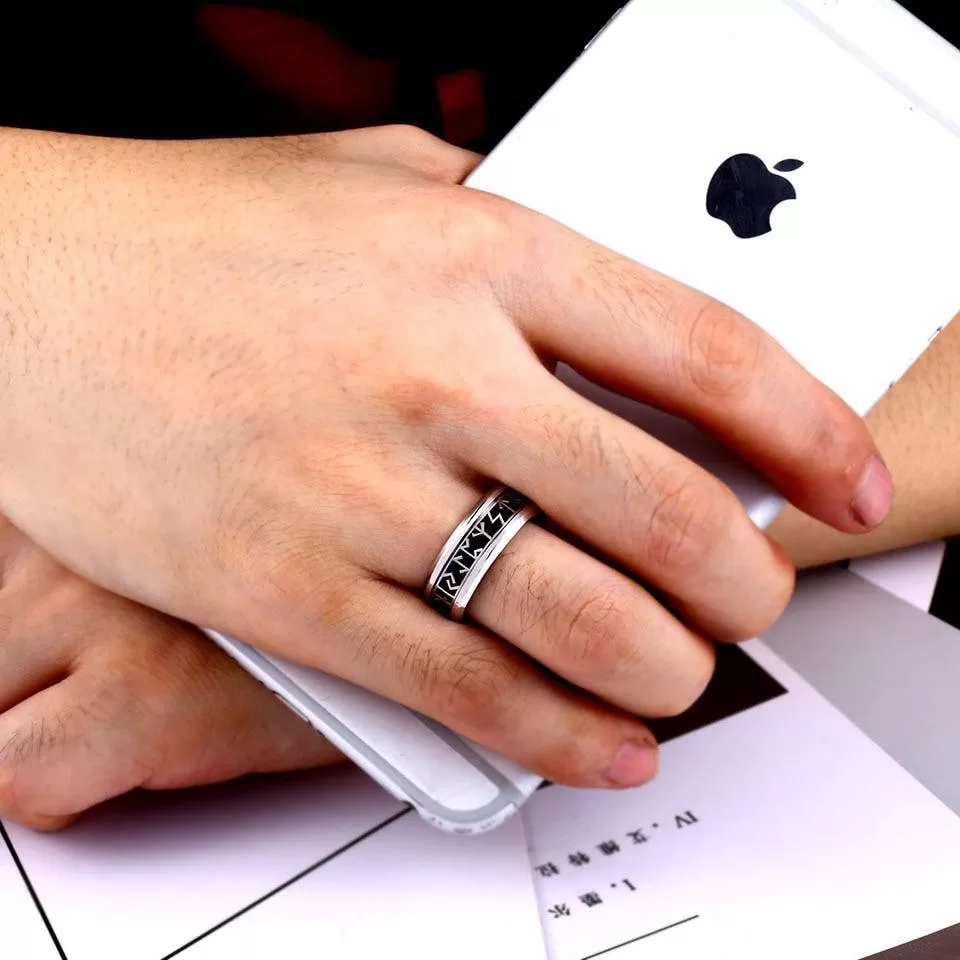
(254, 385)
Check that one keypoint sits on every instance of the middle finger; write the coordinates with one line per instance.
(637, 501)
(592, 625)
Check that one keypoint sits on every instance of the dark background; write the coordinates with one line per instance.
(147, 69)
(946, 597)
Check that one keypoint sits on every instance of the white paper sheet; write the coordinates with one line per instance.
(159, 876)
(781, 831)
(910, 574)
(22, 933)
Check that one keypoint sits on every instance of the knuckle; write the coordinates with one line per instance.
(467, 237)
(836, 444)
(428, 154)
(59, 610)
(474, 226)
(287, 559)
(288, 568)
(161, 664)
(686, 523)
(755, 621)
(407, 134)
(723, 351)
(69, 603)
(20, 750)
(489, 216)
(579, 441)
(476, 690)
(597, 634)
(630, 296)
(518, 579)
(115, 696)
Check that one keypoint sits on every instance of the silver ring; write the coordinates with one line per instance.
(472, 548)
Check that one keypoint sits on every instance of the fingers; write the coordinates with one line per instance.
(26, 669)
(64, 750)
(390, 642)
(592, 626)
(138, 717)
(648, 337)
(657, 514)
(99, 695)
(198, 717)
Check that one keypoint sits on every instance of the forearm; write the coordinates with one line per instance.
(917, 427)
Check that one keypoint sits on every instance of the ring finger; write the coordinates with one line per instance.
(590, 625)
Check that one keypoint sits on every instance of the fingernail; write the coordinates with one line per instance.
(636, 763)
(874, 497)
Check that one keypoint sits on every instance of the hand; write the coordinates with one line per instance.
(255, 384)
(99, 695)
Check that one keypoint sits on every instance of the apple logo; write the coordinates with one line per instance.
(743, 193)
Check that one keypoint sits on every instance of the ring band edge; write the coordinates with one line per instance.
(490, 556)
(458, 534)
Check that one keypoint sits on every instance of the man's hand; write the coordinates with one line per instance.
(99, 696)
(255, 384)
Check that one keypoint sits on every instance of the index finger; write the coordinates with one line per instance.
(651, 338)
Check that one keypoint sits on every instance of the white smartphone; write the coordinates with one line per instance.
(797, 159)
